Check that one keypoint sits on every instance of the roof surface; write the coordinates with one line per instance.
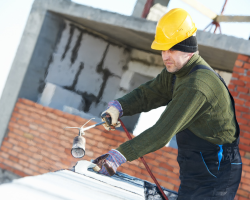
(69, 185)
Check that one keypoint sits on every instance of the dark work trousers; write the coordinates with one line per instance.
(208, 171)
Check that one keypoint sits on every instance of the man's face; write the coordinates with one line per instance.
(174, 60)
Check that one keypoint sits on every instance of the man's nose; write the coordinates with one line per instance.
(165, 54)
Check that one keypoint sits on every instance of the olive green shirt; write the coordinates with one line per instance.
(199, 102)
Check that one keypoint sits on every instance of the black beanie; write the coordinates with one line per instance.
(188, 45)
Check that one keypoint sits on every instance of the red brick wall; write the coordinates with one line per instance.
(36, 143)
(239, 87)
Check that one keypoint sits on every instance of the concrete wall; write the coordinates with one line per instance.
(139, 7)
(87, 65)
(7, 176)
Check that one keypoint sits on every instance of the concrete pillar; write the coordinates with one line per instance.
(139, 6)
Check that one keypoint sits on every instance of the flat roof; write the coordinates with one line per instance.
(67, 185)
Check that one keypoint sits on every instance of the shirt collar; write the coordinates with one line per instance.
(187, 67)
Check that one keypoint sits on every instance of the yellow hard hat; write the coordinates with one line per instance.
(174, 27)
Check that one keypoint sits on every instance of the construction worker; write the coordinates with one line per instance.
(200, 112)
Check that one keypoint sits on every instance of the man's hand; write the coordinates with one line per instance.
(108, 163)
(110, 117)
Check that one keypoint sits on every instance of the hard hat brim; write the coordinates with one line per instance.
(162, 46)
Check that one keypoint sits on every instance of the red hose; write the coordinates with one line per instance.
(145, 164)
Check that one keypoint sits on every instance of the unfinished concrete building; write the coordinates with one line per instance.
(75, 59)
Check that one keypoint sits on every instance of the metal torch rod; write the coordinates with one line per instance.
(89, 127)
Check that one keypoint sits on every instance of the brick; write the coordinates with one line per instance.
(234, 93)
(17, 148)
(168, 155)
(45, 153)
(243, 198)
(14, 125)
(171, 174)
(247, 85)
(166, 166)
(65, 144)
(231, 87)
(68, 116)
(242, 153)
(245, 135)
(48, 109)
(18, 166)
(244, 96)
(239, 101)
(73, 124)
(7, 144)
(95, 131)
(174, 181)
(237, 82)
(246, 65)
(65, 162)
(28, 171)
(53, 134)
(13, 141)
(52, 116)
(79, 120)
(173, 163)
(245, 187)
(242, 89)
(43, 131)
(22, 157)
(53, 157)
(58, 130)
(245, 141)
(9, 163)
(244, 78)
(26, 101)
(38, 106)
(245, 128)
(242, 121)
(102, 139)
(238, 70)
(61, 119)
(33, 149)
(32, 161)
(34, 167)
(166, 185)
(35, 115)
(238, 63)
(23, 163)
(244, 147)
(58, 112)
(246, 162)
(247, 104)
(27, 152)
(42, 171)
(4, 155)
(17, 115)
(107, 135)
(242, 57)
(24, 128)
(235, 75)
(39, 140)
(120, 139)
(13, 119)
(21, 105)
